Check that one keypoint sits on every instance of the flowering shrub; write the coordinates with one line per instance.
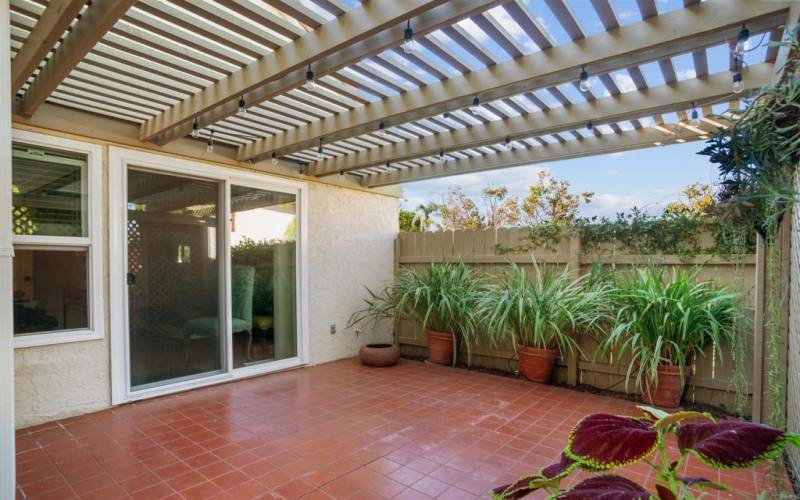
(601, 442)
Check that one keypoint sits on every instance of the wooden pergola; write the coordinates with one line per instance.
(376, 112)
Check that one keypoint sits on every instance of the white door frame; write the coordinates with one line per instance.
(7, 450)
(119, 160)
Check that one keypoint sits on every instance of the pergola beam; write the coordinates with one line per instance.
(676, 32)
(359, 33)
(96, 21)
(55, 19)
(628, 106)
(589, 146)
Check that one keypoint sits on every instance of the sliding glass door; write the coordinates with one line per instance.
(205, 274)
(263, 229)
(175, 318)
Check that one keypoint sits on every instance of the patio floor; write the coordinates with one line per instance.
(337, 430)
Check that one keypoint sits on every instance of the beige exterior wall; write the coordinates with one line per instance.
(350, 244)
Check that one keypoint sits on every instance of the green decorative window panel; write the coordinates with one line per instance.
(49, 192)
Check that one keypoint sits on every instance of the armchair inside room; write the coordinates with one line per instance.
(243, 280)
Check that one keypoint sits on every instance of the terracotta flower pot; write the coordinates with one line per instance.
(537, 364)
(440, 347)
(379, 354)
(669, 388)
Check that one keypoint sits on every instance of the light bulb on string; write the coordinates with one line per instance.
(738, 84)
(381, 131)
(274, 159)
(210, 145)
(584, 77)
(320, 157)
(409, 44)
(741, 41)
(195, 128)
(589, 125)
(695, 119)
(242, 107)
(311, 83)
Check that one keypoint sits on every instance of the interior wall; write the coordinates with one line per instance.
(350, 244)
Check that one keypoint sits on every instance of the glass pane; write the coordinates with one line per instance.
(50, 290)
(173, 278)
(49, 192)
(263, 234)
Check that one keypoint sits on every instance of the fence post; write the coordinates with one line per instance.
(574, 263)
(758, 330)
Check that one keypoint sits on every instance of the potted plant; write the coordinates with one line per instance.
(661, 323)
(378, 306)
(540, 312)
(441, 299)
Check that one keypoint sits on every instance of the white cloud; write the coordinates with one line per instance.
(626, 14)
(686, 74)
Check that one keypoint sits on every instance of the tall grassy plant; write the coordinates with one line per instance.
(442, 298)
(543, 308)
(665, 320)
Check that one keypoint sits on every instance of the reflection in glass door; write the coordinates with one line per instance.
(174, 278)
(263, 229)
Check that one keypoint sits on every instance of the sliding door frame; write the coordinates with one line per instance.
(120, 159)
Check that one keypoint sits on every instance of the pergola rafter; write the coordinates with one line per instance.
(606, 110)
(546, 152)
(660, 37)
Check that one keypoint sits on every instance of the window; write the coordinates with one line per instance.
(57, 272)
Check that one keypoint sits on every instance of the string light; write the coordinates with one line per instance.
(442, 157)
(381, 130)
(195, 128)
(242, 107)
(319, 151)
(589, 125)
(584, 86)
(341, 174)
(695, 120)
(506, 144)
(741, 41)
(409, 44)
(210, 146)
(311, 83)
(274, 159)
(738, 84)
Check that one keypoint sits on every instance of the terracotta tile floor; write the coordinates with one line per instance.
(332, 431)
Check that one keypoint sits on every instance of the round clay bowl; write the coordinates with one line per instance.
(379, 354)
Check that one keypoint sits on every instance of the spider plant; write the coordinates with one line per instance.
(441, 299)
(542, 308)
(665, 320)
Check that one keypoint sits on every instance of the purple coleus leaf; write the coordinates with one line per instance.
(528, 484)
(607, 487)
(602, 441)
(664, 493)
(733, 443)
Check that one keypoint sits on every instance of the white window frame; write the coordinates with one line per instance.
(119, 159)
(92, 243)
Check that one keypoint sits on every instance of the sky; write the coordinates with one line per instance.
(645, 178)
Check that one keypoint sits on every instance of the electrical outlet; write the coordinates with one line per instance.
(333, 328)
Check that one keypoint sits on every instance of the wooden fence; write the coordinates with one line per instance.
(710, 380)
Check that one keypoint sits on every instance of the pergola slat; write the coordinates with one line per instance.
(97, 19)
(50, 26)
(590, 146)
(664, 36)
(606, 110)
(359, 33)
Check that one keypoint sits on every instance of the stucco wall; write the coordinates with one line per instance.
(350, 244)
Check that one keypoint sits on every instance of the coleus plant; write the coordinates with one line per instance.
(601, 442)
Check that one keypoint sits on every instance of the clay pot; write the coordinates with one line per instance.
(379, 354)
(537, 364)
(669, 389)
(440, 347)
